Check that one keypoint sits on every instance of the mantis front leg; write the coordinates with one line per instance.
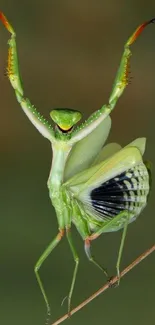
(120, 83)
(13, 73)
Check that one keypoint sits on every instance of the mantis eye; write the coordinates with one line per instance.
(65, 118)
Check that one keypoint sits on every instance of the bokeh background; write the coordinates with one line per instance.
(69, 52)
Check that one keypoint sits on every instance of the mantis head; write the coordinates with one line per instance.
(65, 119)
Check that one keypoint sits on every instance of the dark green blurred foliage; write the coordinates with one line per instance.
(69, 52)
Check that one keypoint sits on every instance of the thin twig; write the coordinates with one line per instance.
(106, 286)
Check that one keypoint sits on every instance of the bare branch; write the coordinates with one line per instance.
(107, 285)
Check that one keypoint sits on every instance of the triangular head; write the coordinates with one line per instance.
(65, 119)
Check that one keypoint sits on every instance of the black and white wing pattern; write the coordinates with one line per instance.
(127, 191)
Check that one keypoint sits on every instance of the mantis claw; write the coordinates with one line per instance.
(113, 284)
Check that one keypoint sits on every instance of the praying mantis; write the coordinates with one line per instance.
(95, 187)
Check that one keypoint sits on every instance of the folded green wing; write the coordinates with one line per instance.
(117, 163)
(85, 151)
(106, 152)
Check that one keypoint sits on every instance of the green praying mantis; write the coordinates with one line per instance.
(95, 187)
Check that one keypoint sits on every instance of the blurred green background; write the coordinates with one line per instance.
(69, 52)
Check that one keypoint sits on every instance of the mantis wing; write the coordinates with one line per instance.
(107, 151)
(111, 148)
(85, 151)
(120, 183)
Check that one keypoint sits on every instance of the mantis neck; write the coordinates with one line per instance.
(61, 151)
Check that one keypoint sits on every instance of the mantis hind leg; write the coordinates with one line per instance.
(121, 249)
(39, 263)
(103, 229)
(91, 258)
(76, 259)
